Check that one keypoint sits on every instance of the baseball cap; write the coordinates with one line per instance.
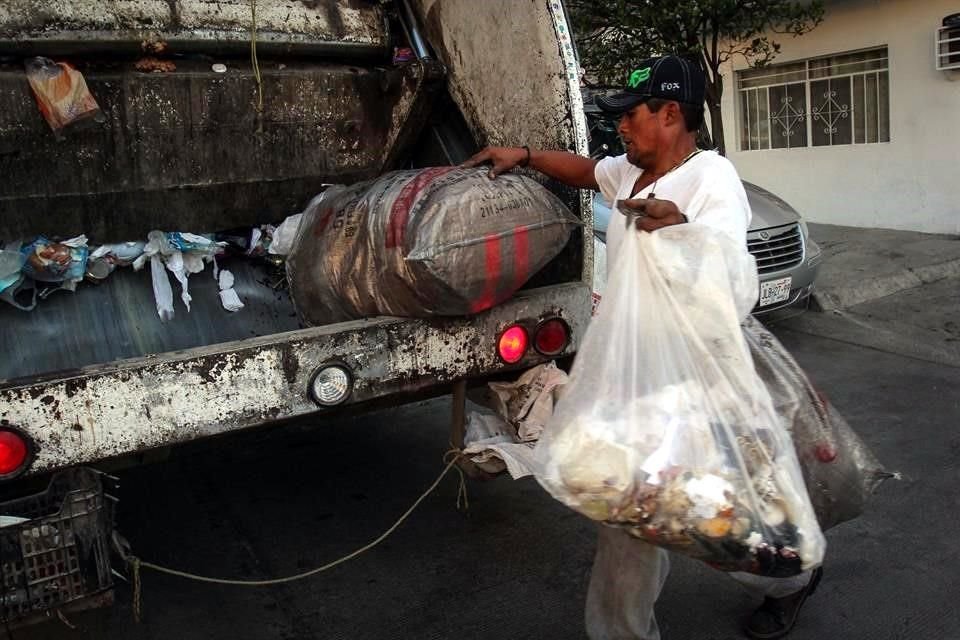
(667, 78)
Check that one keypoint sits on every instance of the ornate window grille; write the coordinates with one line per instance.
(825, 101)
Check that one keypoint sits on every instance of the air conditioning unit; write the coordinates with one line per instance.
(947, 47)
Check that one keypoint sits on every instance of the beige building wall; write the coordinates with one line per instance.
(911, 182)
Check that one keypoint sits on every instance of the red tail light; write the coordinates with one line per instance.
(513, 344)
(14, 452)
(551, 337)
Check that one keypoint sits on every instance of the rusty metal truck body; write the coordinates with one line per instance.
(94, 375)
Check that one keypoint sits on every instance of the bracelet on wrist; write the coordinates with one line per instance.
(526, 161)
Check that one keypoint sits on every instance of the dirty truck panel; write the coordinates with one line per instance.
(94, 374)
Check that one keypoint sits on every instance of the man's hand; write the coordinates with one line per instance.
(655, 213)
(502, 158)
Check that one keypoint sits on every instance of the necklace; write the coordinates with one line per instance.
(652, 193)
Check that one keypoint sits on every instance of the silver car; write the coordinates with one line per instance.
(787, 258)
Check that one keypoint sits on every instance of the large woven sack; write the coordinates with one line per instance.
(443, 241)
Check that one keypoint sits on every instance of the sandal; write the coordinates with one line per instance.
(777, 616)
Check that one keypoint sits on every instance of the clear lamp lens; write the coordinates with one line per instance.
(331, 386)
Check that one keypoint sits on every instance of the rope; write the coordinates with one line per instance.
(136, 564)
(462, 487)
(253, 54)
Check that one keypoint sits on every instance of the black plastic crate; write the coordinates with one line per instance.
(61, 553)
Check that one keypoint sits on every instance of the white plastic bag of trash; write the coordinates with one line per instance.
(665, 428)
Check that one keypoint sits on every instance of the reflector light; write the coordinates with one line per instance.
(14, 452)
(513, 344)
(551, 337)
(331, 385)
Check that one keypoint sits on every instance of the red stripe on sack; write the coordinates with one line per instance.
(521, 257)
(492, 266)
(326, 215)
(400, 211)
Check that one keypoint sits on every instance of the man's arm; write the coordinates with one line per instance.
(568, 168)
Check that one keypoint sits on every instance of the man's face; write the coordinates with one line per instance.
(641, 131)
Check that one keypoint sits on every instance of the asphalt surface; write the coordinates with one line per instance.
(516, 564)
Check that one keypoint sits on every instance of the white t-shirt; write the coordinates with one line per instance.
(706, 189)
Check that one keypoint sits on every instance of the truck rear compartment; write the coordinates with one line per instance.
(95, 374)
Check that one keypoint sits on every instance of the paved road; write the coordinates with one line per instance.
(279, 502)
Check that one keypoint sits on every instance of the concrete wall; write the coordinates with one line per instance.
(911, 182)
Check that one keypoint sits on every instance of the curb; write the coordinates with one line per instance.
(832, 298)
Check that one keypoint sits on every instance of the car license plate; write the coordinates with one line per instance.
(775, 291)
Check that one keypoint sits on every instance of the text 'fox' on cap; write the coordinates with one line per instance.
(666, 78)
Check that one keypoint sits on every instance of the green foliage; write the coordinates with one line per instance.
(613, 35)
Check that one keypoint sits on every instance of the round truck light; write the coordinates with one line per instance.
(16, 453)
(551, 337)
(513, 344)
(331, 385)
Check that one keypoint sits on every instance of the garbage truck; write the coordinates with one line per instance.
(226, 115)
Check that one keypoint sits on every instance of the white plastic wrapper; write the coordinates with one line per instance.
(665, 428)
(285, 235)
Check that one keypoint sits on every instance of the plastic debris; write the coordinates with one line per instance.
(285, 235)
(11, 262)
(12, 281)
(154, 250)
(62, 94)
(228, 295)
(62, 262)
(106, 258)
(219, 68)
(67, 262)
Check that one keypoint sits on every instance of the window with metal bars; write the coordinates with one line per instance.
(825, 101)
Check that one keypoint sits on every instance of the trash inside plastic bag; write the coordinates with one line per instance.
(49, 261)
(839, 469)
(665, 429)
(62, 94)
(442, 241)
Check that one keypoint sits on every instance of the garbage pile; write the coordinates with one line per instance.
(665, 429)
(442, 241)
(36, 269)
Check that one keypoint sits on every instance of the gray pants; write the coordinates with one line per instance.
(626, 580)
